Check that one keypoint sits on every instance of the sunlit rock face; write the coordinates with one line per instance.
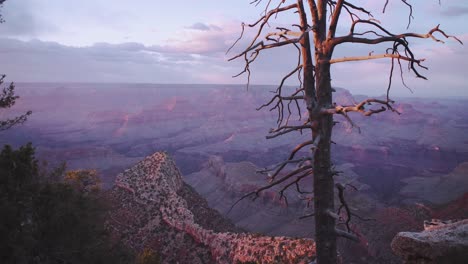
(439, 244)
(154, 208)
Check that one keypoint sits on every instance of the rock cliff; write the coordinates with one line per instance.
(223, 183)
(153, 208)
(438, 244)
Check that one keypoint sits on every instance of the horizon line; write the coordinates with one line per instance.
(231, 84)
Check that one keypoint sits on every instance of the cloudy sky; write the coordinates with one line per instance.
(155, 41)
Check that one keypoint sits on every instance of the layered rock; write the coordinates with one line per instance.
(439, 189)
(152, 210)
(438, 244)
(223, 183)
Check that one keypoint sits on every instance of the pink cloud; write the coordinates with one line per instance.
(202, 39)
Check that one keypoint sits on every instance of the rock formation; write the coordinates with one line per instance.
(223, 183)
(154, 208)
(438, 244)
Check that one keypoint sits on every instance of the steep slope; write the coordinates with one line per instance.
(438, 189)
(456, 209)
(221, 184)
(153, 208)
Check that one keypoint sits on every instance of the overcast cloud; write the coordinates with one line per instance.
(118, 41)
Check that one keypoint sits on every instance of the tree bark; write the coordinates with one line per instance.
(323, 176)
(318, 95)
(307, 63)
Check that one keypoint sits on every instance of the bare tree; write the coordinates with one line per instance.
(315, 38)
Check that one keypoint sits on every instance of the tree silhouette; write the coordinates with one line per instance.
(7, 100)
(8, 97)
(315, 38)
(52, 222)
(1, 17)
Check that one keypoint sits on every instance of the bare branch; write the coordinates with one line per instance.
(335, 18)
(265, 20)
(344, 204)
(257, 192)
(347, 235)
(307, 216)
(358, 8)
(333, 214)
(313, 11)
(283, 164)
(286, 162)
(238, 39)
(351, 38)
(377, 56)
(279, 98)
(410, 15)
(295, 182)
(286, 129)
(360, 107)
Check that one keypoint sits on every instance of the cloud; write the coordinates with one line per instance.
(39, 61)
(48, 61)
(197, 56)
(204, 27)
(21, 20)
(454, 11)
(200, 26)
(446, 74)
(209, 40)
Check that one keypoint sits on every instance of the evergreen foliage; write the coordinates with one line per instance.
(51, 222)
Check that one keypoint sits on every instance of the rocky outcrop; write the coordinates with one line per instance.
(152, 210)
(244, 247)
(440, 243)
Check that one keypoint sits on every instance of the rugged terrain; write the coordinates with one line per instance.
(153, 208)
(408, 167)
(110, 126)
(223, 183)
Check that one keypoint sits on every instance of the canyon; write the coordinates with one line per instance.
(411, 165)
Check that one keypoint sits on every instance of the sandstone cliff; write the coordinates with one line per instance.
(154, 208)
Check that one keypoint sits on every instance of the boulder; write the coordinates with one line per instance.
(445, 242)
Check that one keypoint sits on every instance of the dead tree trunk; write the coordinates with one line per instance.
(323, 177)
(324, 184)
(319, 35)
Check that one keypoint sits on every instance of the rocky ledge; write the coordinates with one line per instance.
(152, 209)
(438, 244)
